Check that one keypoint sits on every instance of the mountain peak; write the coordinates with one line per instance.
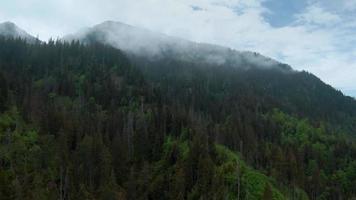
(8, 24)
(10, 29)
(113, 23)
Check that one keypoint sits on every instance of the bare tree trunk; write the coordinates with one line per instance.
(61, 184)
(238, 180)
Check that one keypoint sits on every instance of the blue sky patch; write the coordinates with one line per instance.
(196, 8)
(283, 12)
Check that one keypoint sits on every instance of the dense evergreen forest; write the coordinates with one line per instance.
(89, 122)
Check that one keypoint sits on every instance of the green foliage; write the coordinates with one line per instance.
(24, 169)
(256, 185)
(227, 168)
(86, 122)
(320, 151)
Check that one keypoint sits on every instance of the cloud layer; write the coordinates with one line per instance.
(318, 37)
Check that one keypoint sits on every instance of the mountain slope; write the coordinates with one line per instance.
(87, 122)
(9, 29)
(81, 122)
(249, 73)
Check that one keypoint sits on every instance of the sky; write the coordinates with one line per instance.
(318, 36)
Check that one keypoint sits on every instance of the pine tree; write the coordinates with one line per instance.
(3, 92)
(6, 190)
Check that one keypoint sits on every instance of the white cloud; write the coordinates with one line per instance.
(315, 14)
(350, 5)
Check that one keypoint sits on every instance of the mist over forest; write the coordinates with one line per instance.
(120, 112)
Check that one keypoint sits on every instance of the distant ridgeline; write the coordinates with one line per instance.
(10, 30)
(89, 121)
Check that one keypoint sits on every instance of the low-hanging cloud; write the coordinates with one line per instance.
(144, 43)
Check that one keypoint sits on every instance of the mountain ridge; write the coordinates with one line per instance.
(143, 42)
(10, 29)
(159, 55)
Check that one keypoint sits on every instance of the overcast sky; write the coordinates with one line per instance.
(318, 36)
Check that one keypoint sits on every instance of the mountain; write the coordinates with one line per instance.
(164, 56)
(9, 29)
(142, 42)
(92, 120)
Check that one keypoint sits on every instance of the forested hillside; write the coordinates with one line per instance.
(174, 62)
(88, 122)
